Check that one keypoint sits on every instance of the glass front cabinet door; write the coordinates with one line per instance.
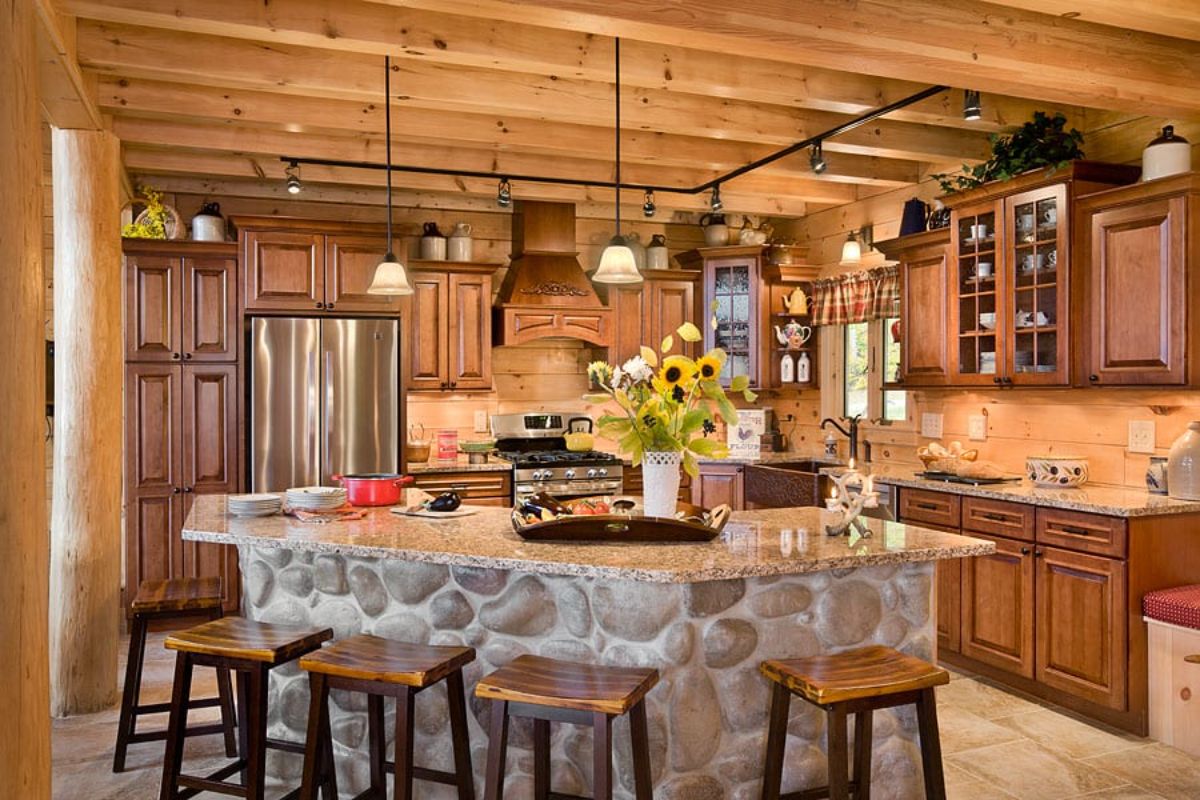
(732, 287)
(976, 302)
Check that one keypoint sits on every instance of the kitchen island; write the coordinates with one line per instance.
(772, 586)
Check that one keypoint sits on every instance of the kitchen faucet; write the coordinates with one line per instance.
(851, 434)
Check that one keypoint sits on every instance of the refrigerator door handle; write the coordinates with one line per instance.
(327, 427)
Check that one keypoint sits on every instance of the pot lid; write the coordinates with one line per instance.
(1168, 137)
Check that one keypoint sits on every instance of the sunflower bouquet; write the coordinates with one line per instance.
(667, 404)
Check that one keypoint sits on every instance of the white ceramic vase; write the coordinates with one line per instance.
(1183, 465)
(660, 478)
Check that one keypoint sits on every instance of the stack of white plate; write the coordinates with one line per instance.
(316, 498)
(255, 505)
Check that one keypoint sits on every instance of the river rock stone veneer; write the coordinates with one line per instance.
(707, 715)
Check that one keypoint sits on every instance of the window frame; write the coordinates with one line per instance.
(833, 360)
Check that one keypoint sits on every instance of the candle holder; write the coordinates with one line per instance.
(851, 504)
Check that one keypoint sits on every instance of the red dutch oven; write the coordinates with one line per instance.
(373, 489)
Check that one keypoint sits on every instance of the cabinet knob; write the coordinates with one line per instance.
(1038, 554)
(187, 356)
(329, 306)
(1094, 378)
(996, 380)
(174, 356)
(1024, 551)
(188, 490)
(320, 305)
(174, 490)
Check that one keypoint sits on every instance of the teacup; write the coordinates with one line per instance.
(1031, 260)
(1040, 318)
(984, 270)
(979, 232)
(987, 320)
(1024, 319)
(1050, 216)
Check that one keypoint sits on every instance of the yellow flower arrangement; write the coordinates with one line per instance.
(669, 407)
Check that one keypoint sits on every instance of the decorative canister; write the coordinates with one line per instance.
(1183, 465)
(208, 225)
(716, 230)
(433, 243)
(460, 246)
(633, 241)
(657, 255)
(1166, 155)
(1156, 475)
(1057, 472)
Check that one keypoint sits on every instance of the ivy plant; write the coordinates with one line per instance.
(1044, 141)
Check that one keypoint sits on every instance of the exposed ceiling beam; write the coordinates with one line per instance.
(459, 40)
(151, 161)
(223, 62)
(988, 47)
(67, 97)
(1177, 18)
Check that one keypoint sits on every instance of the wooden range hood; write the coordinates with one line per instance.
(545, 292)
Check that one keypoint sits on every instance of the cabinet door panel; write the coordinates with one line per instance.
(948, 603)
(1036, 260)
(284, 271)
(630, 320)
(1081, 647)
(671, 304)
(977, 351)
(470, 338)
(1137, 286)
(209, 425)
(207, 560)
(210, 309)
(152, 319)
(997, 606)
(925, 326)
(153, 547)
(350, 262)
(152, 436)
(428, 331)
(719, 485)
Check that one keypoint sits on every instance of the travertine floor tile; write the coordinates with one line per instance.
(982, 699)
(1029, 771)
(1067, 735)
(960, 730)
(1169, 772)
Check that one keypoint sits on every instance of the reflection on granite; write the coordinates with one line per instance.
(782, 457)
(1113, 501)
(787, 541)
(460, 464)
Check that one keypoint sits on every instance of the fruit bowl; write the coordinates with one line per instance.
(1057, 472)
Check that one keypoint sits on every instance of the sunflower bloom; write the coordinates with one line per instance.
(677, 371)
(708, 368)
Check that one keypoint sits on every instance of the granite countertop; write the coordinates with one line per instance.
(494, 464)
(787, 541)
(767, 459)
(1113, 501)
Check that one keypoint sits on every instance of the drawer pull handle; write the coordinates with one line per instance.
(927, 506)
(1024, 551)
(1073, 530)
(994, 517)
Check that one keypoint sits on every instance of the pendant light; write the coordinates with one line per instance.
(616, 263)
(390, 276)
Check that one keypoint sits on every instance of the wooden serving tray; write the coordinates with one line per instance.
(625, 528)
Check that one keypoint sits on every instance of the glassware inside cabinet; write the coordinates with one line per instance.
(731, 293)
(976, 281)
(1034, 304)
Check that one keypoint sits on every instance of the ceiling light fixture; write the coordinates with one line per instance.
(972, 107)
(293, 178)
(504, 193)
(715, 202)
(390, 276)
(816, 158)
(616, 263)
(648, 206)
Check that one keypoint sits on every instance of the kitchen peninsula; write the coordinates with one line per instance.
(773, 585)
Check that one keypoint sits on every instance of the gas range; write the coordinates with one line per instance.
(535, 443)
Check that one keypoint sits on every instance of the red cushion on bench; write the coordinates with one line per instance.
(1179, 606)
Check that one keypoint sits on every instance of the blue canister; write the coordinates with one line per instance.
(1156, 475)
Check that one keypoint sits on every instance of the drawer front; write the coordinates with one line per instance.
(1086, 533)
(1014, 520)
(936, 508)
(468, 485)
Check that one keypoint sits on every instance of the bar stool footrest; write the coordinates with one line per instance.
(193, 730)
(423, 774)
(285, 745)
(193, 785)
(162, 708)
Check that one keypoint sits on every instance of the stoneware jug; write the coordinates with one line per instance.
(460, 247)
(433, 243)
(1183, 465)
(657, 255)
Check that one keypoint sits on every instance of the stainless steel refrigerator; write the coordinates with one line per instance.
(324, 400)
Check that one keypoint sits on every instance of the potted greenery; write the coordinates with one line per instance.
(1044, 141)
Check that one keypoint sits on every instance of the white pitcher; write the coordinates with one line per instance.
(460, 247)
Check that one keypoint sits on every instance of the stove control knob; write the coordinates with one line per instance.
(591, 473)
(603, 473)
(544, 475)
(537, 474)
(569, 474)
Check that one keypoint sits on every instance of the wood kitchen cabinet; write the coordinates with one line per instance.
(301, 266)
(475, 487)
(646, 313)
(719, 484)
(180, 301)
(450, 326)
(997, 606)
(734, 286)
(1136, 320)
(925, 266)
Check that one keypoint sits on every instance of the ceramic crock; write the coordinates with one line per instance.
(1183, 465)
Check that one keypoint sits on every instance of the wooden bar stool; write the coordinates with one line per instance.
(155, 600)
(561, 691)
(385, 668)
(853, 682)
(252, 649)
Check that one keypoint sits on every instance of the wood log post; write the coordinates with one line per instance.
(24, 667)
(85, 550)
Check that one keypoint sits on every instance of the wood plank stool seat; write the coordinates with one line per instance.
(251, 649)
(155, 602)
(855, 682)
(381, 668)
(549, 690)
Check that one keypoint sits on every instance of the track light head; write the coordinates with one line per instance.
(293, 178)
(504, 193)
(972, 107)
(816, 158)
(715, 202)
(648, 206)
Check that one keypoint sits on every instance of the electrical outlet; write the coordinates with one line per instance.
(481, 422)
(931, 425)
(1141, 436)
(977, 428)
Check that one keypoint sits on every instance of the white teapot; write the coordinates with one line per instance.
(793, 335)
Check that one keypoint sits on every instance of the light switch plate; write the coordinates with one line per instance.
(481, 422)
(1141, 436)
(931, 425)
(977, 428)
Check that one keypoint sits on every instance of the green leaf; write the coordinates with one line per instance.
(690, 465)
(740, 383)
(749, 396)
(693, 421)
(689, 332)
(707, 447)
(667, 343)
(597, 399)
(728, 412)
(649, 356)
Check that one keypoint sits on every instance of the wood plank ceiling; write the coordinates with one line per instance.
(209, 93)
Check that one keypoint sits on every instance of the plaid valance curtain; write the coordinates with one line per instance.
(857, 297)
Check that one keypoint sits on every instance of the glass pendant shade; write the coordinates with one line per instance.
(851, 253)
(617, 264)
(390, 278)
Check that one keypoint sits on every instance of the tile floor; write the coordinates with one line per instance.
(997, 746)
